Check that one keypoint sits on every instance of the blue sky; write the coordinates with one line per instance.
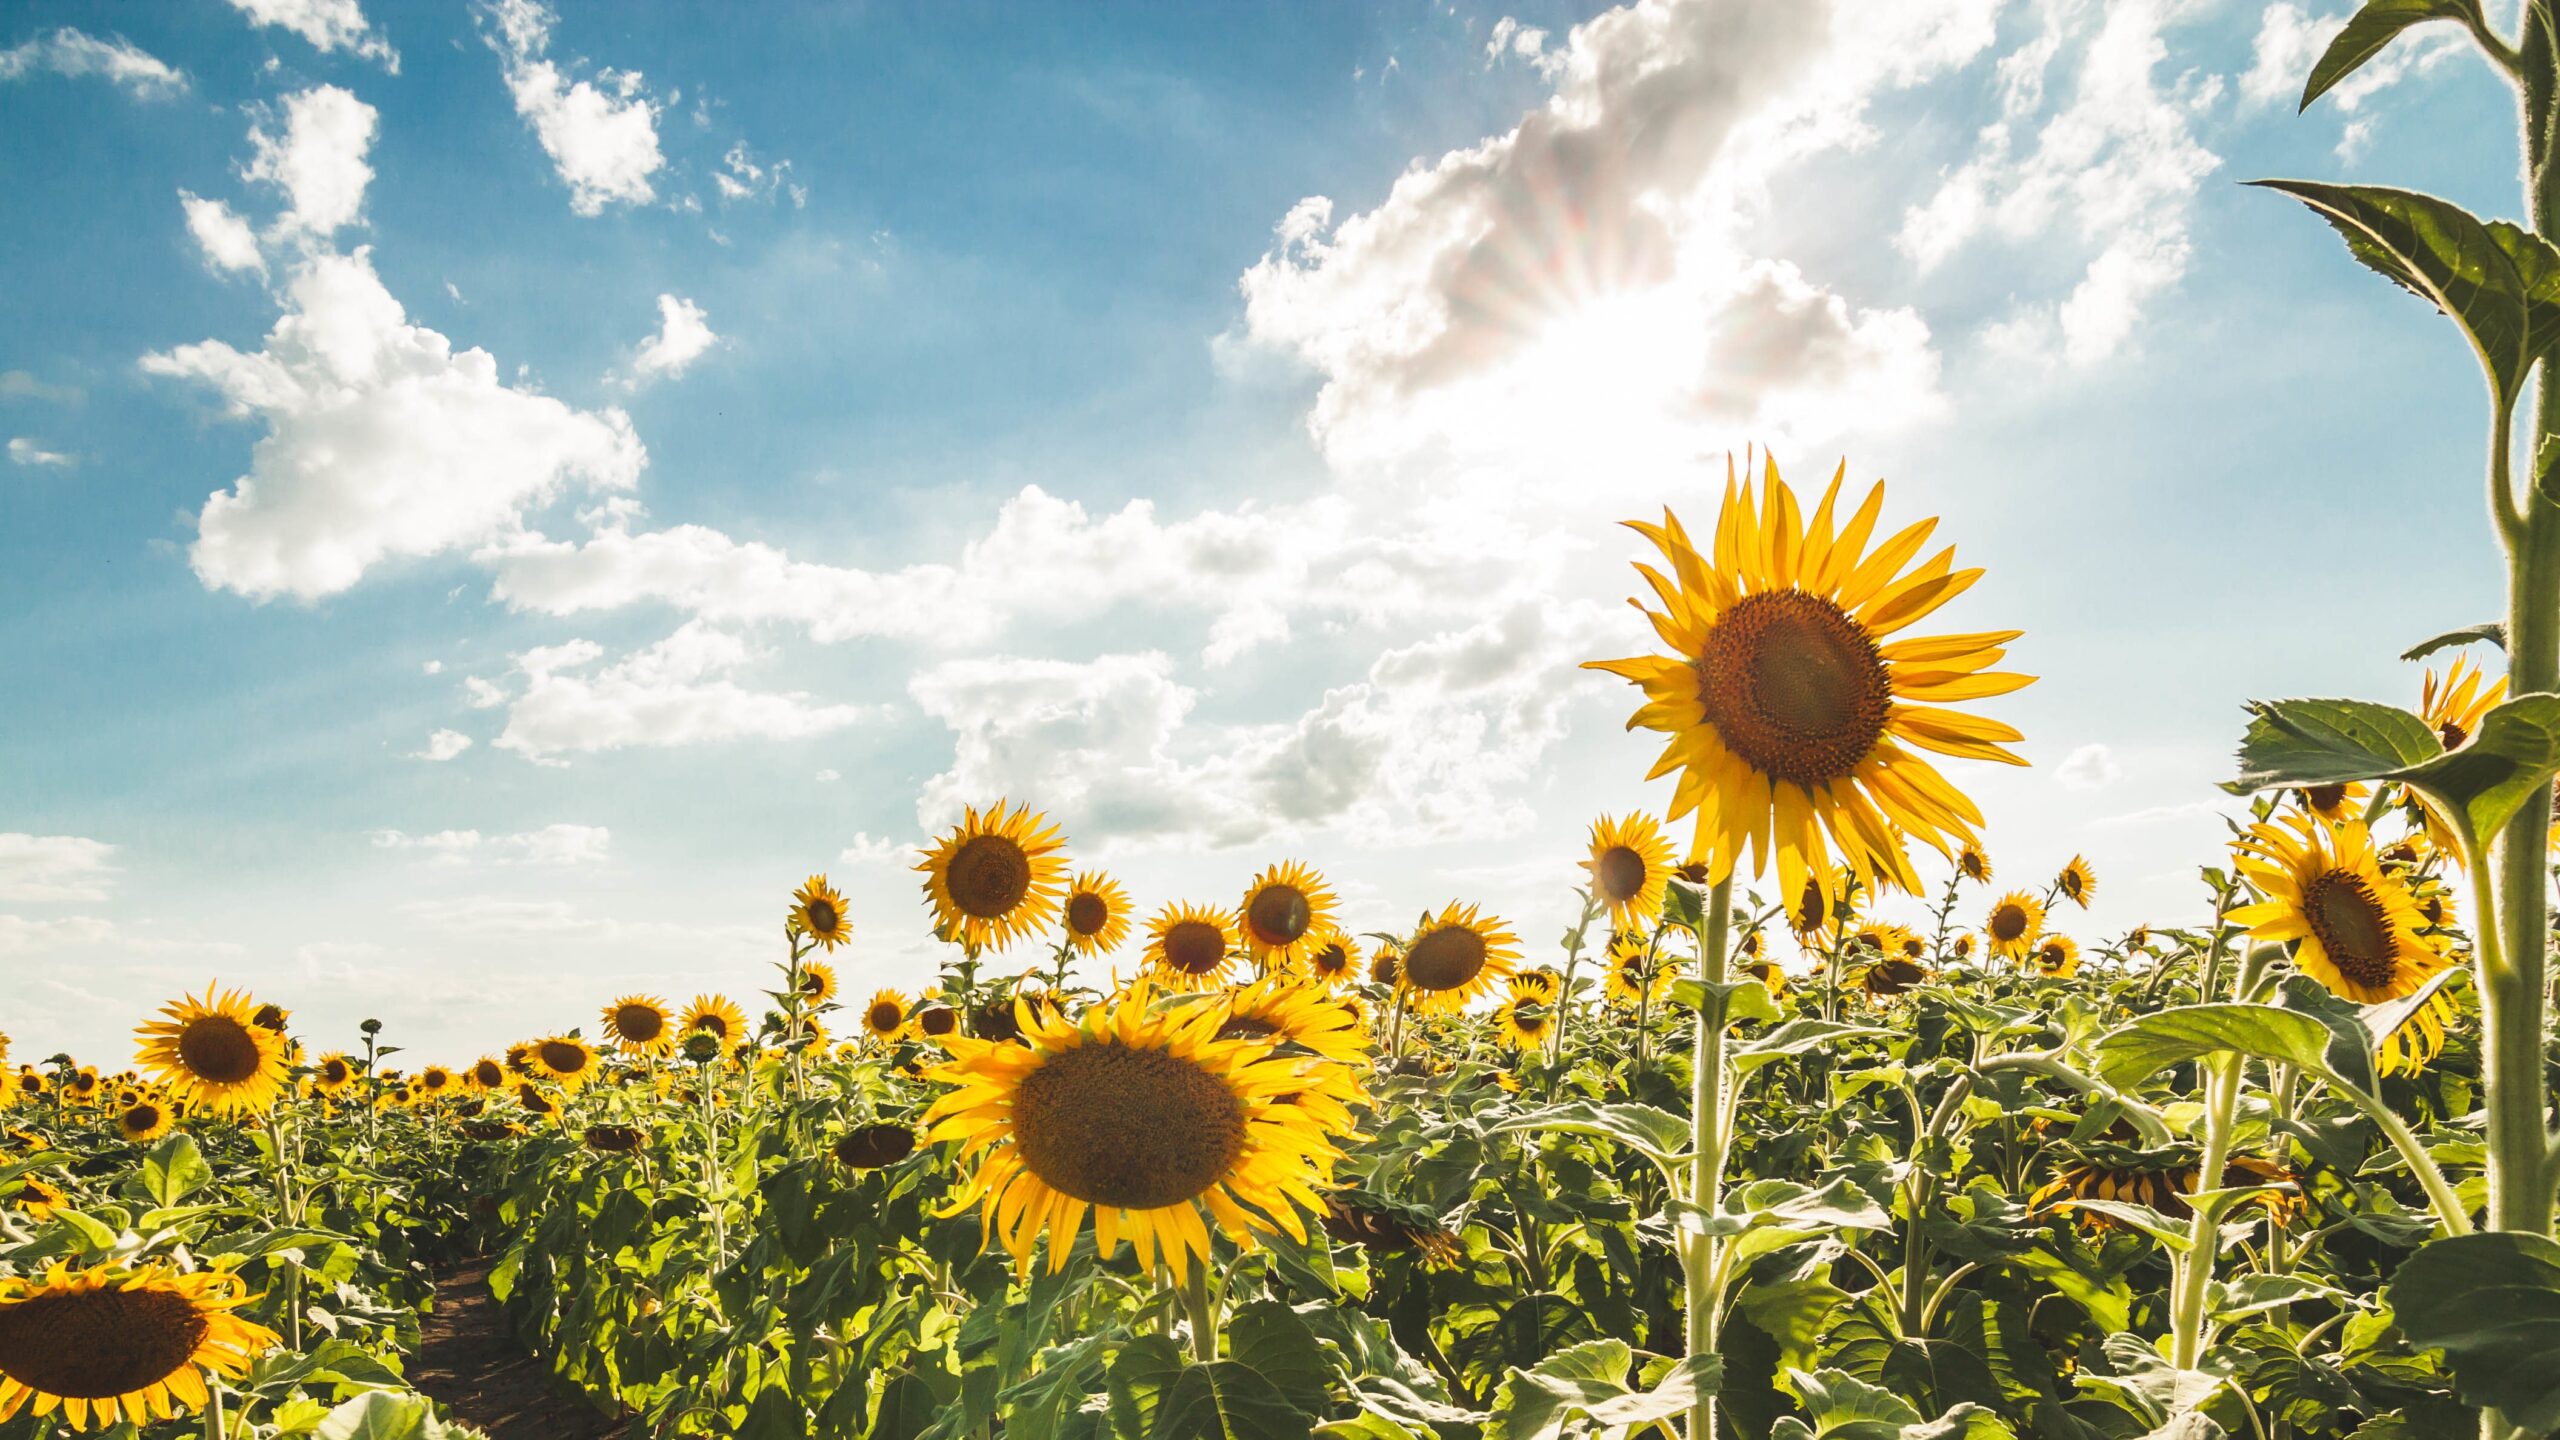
(759, 441)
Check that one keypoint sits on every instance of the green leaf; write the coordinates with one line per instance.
(2501, 285)
(2328, 742)
(381, 1415)
(2491, 1302)
(1589, 1381)
(1140, 1375)
(1797, 1036)
(2373, 27)
(2484, 784)
(1277, 1342)
(2491, 631)
(1840, 1406)
(1228, 1400)
(175, 1169)
(1657, 1134)
(2136, 1052)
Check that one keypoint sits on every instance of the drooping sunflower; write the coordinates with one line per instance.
(1142, 1119)
(535, 1099)
(995, 877)
(2014, 925)
(640, 1025)
(1283, 909)
(1383, 1227)
(565, 1059)
(115, 1341)
(1890, 976)
(721, 1017)
(1796, 721)
(817, 982)
(1526, 1021)
(486, 1074)
(885, 1016)
(39, 1197)
(1288, 1009)
(1630, 867)
(2358, 927)
(2057, 957)
(1813, 911)
(868, 1147)
(1190, 947)
(1771, 976)
(1455, 957)
(333, 1074)
(817, 912)
(209, 1054)
(2077, 882)
(1972, 864)
(2453, 705)
(271, 1017)
(2415, 1042)
(1333, 959)
(2163, 1184)
(144, 1119)
(1097, 913)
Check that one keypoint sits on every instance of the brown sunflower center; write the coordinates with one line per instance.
(1279, 914)
(937, 1020)
(884, 1015)
(1619, 875)
(2452, 734)
(1122, 1125)
(1812, 907)
(1445, 959)
(99, 1344)
(868, 1147)
(2325, 798)
(1527, 1021)
(1331, 960)
(1794, 686)
(1087, 913)
(1195, 947)
(336, 1072)
(988, 876)
(1892, 977)
(821, 917)
(2009, 922)
(714, 1022)
(141, 1116)
(1382, 968)
(563, 1057)
(639, 1023)
(219, 1050)
(268, 1017)
(487, 1073)
(1247, 1027)
(2352, 927)
(2052, 956)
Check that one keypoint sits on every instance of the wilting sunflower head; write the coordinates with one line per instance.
(1891, 976)
(1630, 868)
(1141, 1118)
(719, 1017)
(271, 1017)
(2357, 927)
(1288, 1010)
(614, 1139)
(210, 1054)
(2013, 927)
(535, 1099)
(2077, 882)
(2162, 1184)
(817, 982)
(1455, 957)
(1972, 864)
(1190, 947)
(121, 1342)
(868, 1147)
(640, 1025)
(885, 1016)
(817, 912)
(1333, 960)
(1384, 1228)
(144, 1118)
(995, 878)
(1795, 717)
(565, 1059)
(2057, 957)
(1097, 913)
(1283, 910)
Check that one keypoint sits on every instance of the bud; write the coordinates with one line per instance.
(702, 1047)
(371, 1027)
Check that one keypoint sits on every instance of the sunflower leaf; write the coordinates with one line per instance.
(2491, 1302)
(2134, 1053)
(2492, 631)
(2488, 780)
(2367, 34)
(2328, 742)
(1654, 1133)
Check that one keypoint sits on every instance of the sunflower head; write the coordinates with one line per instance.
(1333, 960)
(817, 982)
(1097, 913)
(144, 1118)
(1525, 1022)
(486, 1074)
(2013, 927)
(640, 1025)
(1972, 864)
(2057, 957)
(1630, 868)
(868, 1147)
(1455, 957)
(566, 1059)
(1384, 1228)
(1284, 909)
(334, 1073)
(271, 1017)
(2357, 927)
(2077, 882)
(1190, 947)
(1386, 963)
(817, 912)
(1286, 1009)
(211, 1054)
(995, 877)
(933, 1021)
(885, 1016)
(1883, 979)
(117, 1341)
(1638, 973)
(720, 1018)
(613, 1139)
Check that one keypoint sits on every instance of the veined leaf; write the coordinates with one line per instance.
(1228, 1400)
(1589, 1381)
(1657, 1134)
(2516, 751)
(2491, 1302)
(2367, 33)
(2144, 1048)
(2327, 742)
(1797, 1036)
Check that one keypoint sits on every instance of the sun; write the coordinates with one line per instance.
(995, 877)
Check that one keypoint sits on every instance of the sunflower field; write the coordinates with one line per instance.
(1817, 1123)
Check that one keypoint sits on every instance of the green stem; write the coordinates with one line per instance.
(1202, 1312)
(1706, 1166)
(2194, 1273)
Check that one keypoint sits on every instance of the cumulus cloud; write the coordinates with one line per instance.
(382, 440)
(319, 162)
(226, 239)
(684, 336)
(26, 450)
(442, 746)
(680, 691)
(1511, 39)
(76, 53)
(560, 844)
(327, 24)
(55, 867)
(2091, 767)
(602, 138)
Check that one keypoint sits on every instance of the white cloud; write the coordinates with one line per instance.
(319, 163)
(1528, 42)
(328, 24)
(443, 745)
(24, 450)
(432, 667)
(603, 141)
(20, 935)
(76, 53)
(2091, 767)
(876, 850)
(741, 177)
(551, 845)
(226, 239)
(55, 867)
(829, 777)
(679, 691)
(684, 336)
(2290, 42)
(381, 441)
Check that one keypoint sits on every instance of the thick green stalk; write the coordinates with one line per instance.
(1706, 1162)
(1200, 1311)
(2194, 1273)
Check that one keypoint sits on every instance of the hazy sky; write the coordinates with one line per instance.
(494, 496)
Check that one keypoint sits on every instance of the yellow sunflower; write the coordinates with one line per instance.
(1882, 937)
(271, 1017)
(145, 1118)
(2415, 1043)
(39, 1197)
(817, 982)
(2077, 882)
(995, 877)
(1890, 976)
(1190, 947)
(121, 1342)
(1972, 864)
(2014, 926)
(2336, 803)
(1142, 1119)
(534, 1099)
(1386, 962)
(486, 1074)
(435, 1082)
(719, 1015)
(210, 1055)
(1795, 719)
(1097, 912)
(31, 1084)
(333, 1074)
(1456, 957)
(1637, 974)
(1286, 1008)
(565, 1059)
(2453, 705)
(1772, 978)
(640, 1025)
(1525, 1022)
(885, 1016)
(1540, 983)
(2057, 957)
(1283, 909)
(817, 911)
(2358, 927)
(1630, 867)
(1333, 958)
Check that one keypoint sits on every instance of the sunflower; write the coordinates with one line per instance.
(1814, 910)
(143, 1119)
(486, 1074)
(1190, 947)
(1972, 864)
(2414, 1044)
(40, 1197)
(1143, 1119)
(2077, 882)
(31, 1083)
(271, 1017)
(211, 1055)
(1525, 1022)
(2014, 925)
(2453, 706)
(1333, 958)
(436, 1082)
(1630, 868)
(995, 877)
(82, 1086)
(1456, 957)
(1888, 977)
(1636, 973)
(1960, 945)
(115, 1340)
(2164, 1185)
(817, 911)
(2358, 927)
(1883, 937)
(885, 1016)
(2057, 957)
(1286, 1008)
(1382, 1227)
(817, 982)
(1795, 721)
(333, 1073)
(566, 1059)
(935, 1021)
(534, 1099)
(2339, 803)
(1538, 984)
(1771, 977)
(1386, 962)
(1284, 909)
(868, 1147)
(719, 1015)
(1097, 913)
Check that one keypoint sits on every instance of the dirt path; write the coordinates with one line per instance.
(471, 1366)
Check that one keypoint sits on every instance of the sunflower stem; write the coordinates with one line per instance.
(1706, 1164)
(1201, 1310)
